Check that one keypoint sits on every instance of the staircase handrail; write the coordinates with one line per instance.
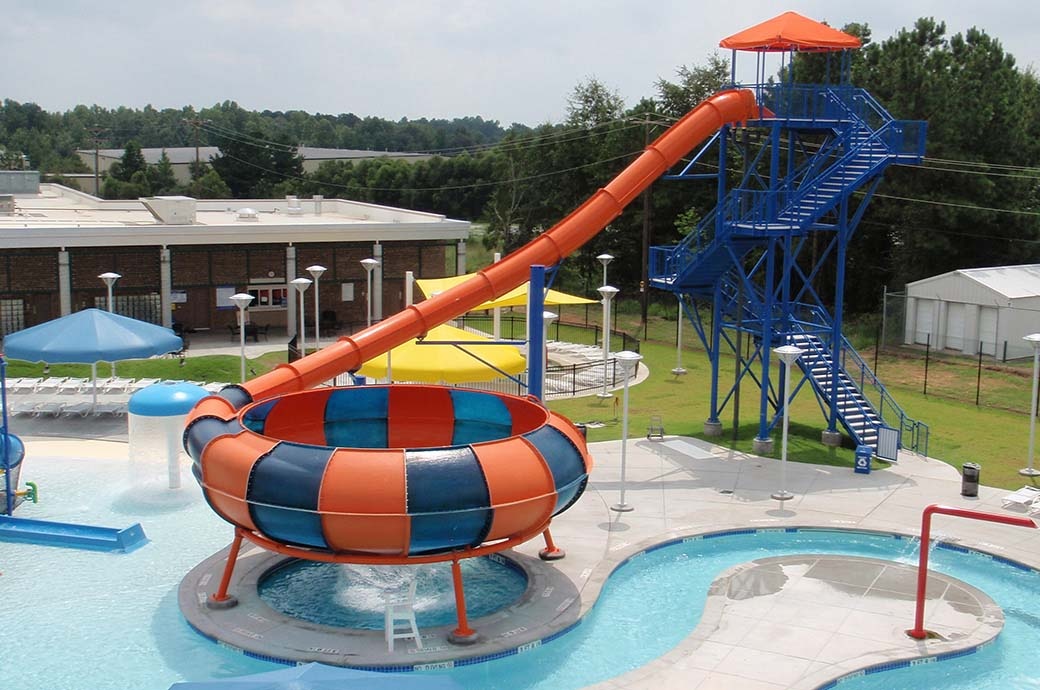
(908, 425)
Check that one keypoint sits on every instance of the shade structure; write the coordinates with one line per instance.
(414, 361)
(513, 298)
(90, 336)
(315, 676)
(790, 31)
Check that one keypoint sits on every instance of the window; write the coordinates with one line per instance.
(268, 296)
(141, 307)
(12, 315)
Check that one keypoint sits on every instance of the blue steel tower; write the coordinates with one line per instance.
(750, 275)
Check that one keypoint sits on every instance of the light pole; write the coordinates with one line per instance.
(678, 370)
(788, 354)
(301, 285)
(607, 292)
(370, 265)
(1034, 340)
(547, 318)
(604, 259)
(316, 271)
(629, 362)
(242, 300)
(110, 279)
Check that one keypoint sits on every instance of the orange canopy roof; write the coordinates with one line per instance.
(790, 31)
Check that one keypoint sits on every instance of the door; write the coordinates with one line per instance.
(923, 325)
(988, 330)
(954, 326)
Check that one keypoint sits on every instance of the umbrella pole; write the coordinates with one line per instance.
(93, 378)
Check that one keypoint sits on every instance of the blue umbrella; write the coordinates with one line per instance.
(88, 337)
(316, 676)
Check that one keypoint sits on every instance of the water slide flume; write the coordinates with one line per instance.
(405, 474)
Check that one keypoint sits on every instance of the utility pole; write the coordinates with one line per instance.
(95, 132)
(644, 282)
(196, 123)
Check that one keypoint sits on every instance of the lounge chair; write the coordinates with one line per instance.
(51, 382)
(23, 385)
(115, 383)
(80, 409)
(21, 407)
(115, 409)
(141, 383)
(50, 409)
(1023, 499)
(73, 385)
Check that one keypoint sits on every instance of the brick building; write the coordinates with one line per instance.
(180, 259)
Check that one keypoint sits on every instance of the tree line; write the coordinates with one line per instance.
(972, 203)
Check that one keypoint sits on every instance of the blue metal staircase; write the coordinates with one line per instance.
(823, 151)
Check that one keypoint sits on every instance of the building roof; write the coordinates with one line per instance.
(1013, 282)
(184, 155)
(62, 217)
(790, 31)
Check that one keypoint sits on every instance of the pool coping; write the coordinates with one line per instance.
(650, 674)
(551, 606)
(544, 611)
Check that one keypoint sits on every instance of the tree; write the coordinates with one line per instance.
(161, 179)
(131, 162)
(253, 163)
(693, 86)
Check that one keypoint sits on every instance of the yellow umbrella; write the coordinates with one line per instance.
(513, 298)
(436, 363)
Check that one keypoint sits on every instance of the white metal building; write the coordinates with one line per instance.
(991, 308)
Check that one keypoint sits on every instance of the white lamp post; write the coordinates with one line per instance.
(679, 370)
(607, 292)
(604, 259)
(301, 285)
(370, 265)
(547, 318)
(110, 279)
(1034, 340)
(788, 354)
(316, 271)
(242, 300)
(629, 362)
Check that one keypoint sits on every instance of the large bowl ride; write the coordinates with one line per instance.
(389, 474)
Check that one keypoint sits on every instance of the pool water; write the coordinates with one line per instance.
(353, 596)
(71, 619)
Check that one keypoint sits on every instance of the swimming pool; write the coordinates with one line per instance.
(73, 620)
(352, 596)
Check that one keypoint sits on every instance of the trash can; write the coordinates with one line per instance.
(970, 479)
(863, 456)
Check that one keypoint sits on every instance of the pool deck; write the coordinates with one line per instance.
(793, 622)
(787, 623)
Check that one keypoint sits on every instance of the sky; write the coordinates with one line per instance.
(499, 59)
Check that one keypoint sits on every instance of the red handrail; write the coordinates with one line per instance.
(918, 632)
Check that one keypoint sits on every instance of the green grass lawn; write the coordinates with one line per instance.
(994, 434)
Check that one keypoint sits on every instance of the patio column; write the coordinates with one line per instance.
(165, 287)
(290, 300)
(377, 283)
(460, 258)
(64, 283)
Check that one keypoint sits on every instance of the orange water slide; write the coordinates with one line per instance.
(549, 248)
